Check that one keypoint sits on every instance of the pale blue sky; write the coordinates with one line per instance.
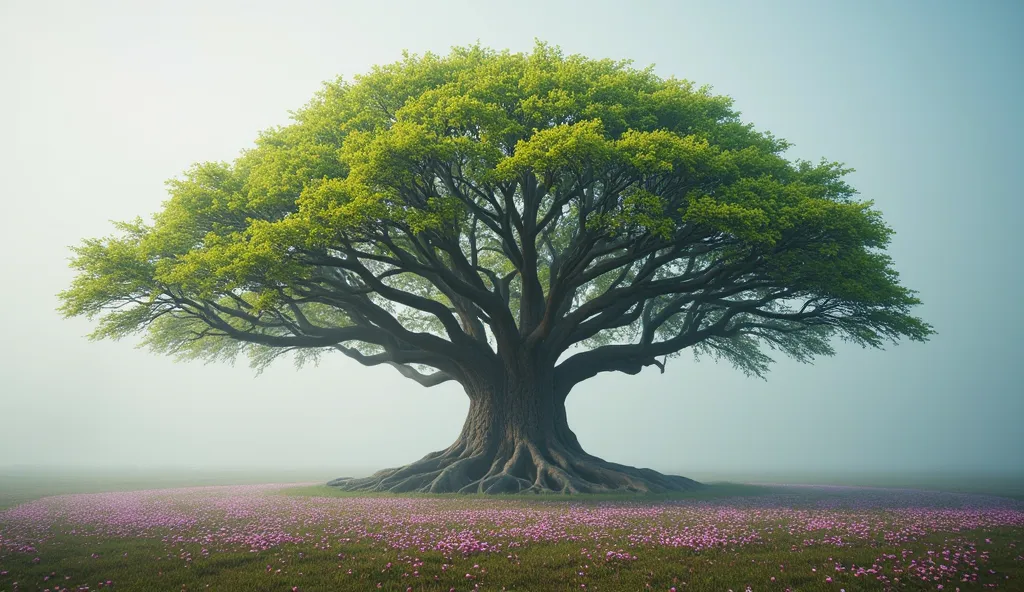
(103, 101)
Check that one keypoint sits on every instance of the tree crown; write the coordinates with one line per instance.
(442, 211)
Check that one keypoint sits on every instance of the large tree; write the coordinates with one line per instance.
(517, 223)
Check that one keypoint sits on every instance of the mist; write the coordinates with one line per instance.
(104, 101)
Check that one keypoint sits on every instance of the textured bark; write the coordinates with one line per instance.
(516, 438)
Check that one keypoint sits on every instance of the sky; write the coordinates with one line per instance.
(104, 101)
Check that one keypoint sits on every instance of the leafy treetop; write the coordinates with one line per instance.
(444, 212)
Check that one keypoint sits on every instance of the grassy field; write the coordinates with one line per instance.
(19, 485)
(306, 538)
(22, 484)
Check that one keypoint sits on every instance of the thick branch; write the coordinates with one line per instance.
(390, 358)
(631, 358)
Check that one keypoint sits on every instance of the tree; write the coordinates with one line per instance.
(517, 223)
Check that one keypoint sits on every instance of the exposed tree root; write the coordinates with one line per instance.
(520, 468)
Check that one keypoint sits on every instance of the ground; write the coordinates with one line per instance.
(723, 537)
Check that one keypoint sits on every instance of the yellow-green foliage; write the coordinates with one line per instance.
(399, 152)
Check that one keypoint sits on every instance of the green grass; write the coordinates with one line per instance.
(150, 564)
(22, 485)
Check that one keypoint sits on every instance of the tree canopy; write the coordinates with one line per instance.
(440, 211)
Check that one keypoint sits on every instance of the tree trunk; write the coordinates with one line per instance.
(516, 439)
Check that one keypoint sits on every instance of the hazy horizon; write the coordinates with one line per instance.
(37, 480)
(106, 101)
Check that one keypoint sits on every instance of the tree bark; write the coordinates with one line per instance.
(516, 438)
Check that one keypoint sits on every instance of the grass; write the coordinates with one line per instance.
(72, 556)
(146, 565)
(20, 485)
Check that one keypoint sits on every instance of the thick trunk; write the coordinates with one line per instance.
(516, 439)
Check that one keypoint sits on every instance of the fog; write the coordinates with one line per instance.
(104, 101)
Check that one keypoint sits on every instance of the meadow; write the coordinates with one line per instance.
(289, 537)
